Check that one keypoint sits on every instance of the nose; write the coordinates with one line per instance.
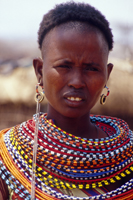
(76, 79)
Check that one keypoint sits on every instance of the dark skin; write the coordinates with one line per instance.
(73, 73)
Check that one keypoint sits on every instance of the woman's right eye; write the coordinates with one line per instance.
(64, 66)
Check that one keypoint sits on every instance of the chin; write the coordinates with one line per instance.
(74, 114)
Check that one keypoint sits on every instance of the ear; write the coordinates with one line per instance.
(110, 67)
(38, 67)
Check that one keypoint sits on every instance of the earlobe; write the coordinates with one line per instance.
(38, 66)
(110, 67)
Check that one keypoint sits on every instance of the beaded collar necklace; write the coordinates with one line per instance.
(67, 161)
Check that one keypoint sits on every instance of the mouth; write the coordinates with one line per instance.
(74, 100)
(77, 99)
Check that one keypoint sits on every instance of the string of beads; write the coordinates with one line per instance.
(66, 161)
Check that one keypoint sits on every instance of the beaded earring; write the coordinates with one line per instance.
(39, 96)
(103, 96)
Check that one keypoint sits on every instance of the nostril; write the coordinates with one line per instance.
(76, 78)
(76, 83)
(76, 86)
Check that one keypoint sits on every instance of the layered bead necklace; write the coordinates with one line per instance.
(65, 161)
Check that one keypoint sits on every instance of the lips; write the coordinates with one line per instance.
(74, 99)
(74, 95)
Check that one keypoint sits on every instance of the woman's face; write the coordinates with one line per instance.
(74, 70)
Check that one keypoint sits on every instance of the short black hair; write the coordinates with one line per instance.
(71, 11)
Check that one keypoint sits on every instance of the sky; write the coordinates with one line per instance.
(21, 18)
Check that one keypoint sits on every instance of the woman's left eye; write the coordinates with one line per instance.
(91, 68)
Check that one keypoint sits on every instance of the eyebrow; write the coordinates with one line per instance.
(68, 62)
(85, 64)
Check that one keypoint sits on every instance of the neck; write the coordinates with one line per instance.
(79, 126)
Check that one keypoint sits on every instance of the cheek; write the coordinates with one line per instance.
(52, 82)
(97, 84)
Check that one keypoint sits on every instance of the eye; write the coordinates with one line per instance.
(64, 66)
(91, 68)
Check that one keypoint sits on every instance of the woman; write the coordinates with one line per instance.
(79, 156)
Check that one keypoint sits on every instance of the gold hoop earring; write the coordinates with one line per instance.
(39, 96)
(104, 97)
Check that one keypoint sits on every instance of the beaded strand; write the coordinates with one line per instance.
(66, 161)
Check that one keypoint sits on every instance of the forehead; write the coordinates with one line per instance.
(82, 28)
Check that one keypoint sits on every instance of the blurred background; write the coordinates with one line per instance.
(19, 23)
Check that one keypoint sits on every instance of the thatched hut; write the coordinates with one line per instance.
(17, 91)
(120, 101)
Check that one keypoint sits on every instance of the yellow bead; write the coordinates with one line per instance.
(131, 168)
(26, 156)
(106, 183)
(49, 176)
(16, 143)
(123, 175)
(39, 169)
(68, 185)
(99, 184)
(74, 186)
(80, 186)
(50, 181)
(93, 185)
(87, 186)
(128, 172)
(63, 186)
(52, 185)
(117, 177)
(22, 152)
(112, 180)
(19, 147)
(44, 173)
(64, 132)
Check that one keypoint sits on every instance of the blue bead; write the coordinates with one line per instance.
(16, 191)
(12, 186)
(3, 176)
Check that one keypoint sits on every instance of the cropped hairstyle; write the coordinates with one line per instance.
(72, 11)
